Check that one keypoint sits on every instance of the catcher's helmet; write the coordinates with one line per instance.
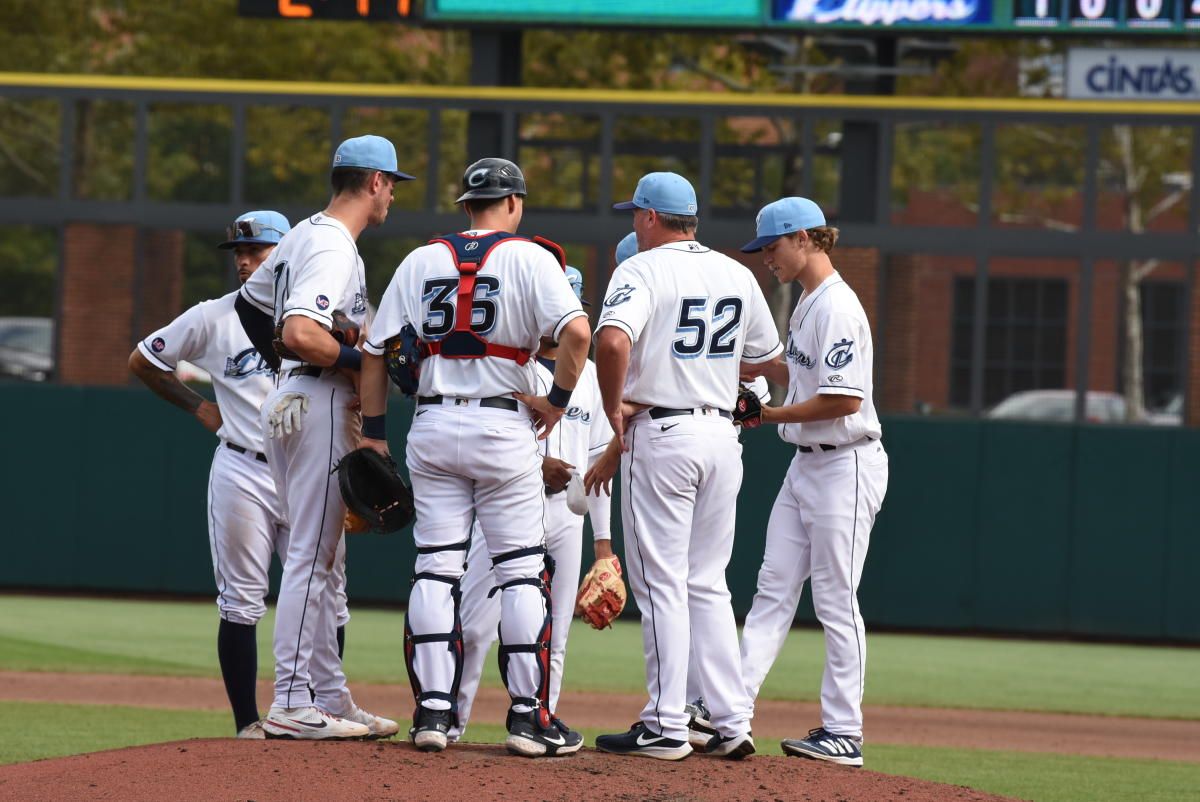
(492, 178)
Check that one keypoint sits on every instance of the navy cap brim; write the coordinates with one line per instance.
(758, 243)
(626, 206)
(233, 243)
(400, 176)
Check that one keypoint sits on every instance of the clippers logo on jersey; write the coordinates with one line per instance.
(581, 415)
(360, 302)
(322, 302)
(794, 354)
(619, 295)
(245, 364)
(158, 345)
(839, 356)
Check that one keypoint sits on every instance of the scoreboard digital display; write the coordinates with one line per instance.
(967, 17)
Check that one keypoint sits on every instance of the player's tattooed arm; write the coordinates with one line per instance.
(166, 385)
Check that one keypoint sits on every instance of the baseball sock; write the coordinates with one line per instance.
(237, 651)
(341, 636)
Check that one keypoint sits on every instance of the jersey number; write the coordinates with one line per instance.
(439, 294)
(694, 325)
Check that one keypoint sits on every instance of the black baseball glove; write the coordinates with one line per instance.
(374, 491)
(748, 409)
(403, 355)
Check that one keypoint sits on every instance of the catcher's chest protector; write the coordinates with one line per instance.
(469, 255)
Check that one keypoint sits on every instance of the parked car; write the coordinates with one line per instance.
(27, 348)
(1059, 405)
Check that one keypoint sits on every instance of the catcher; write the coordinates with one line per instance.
(578, 439)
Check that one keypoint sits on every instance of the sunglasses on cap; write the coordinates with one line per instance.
(248, 229)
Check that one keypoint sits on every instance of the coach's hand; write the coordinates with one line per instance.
(603, 469)
(545, 414)
(556, 473)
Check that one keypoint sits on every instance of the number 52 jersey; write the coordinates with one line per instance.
(693, 315)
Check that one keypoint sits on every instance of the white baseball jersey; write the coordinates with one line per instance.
(688, 355)
(210, 336)
(521, 295)
(829, 352)
(314, 271)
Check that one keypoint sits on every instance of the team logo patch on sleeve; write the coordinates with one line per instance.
(322, 303)
(839, 355)
(620, 295)
(158, 344)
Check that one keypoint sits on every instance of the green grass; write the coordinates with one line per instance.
(51, 730)
(179, 638)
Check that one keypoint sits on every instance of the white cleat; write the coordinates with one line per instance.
(252, 732)
(311, 724)
(378, 726)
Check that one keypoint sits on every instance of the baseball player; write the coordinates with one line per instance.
(582, 434)
(821, 523)
(473, 446)
(679, 320)
(246, 523)
(317, 271)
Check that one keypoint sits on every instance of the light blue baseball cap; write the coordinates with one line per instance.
(370, 152)
(576, 280)
(784, 216)
(627, 247)
(662, 192)
(263, 227)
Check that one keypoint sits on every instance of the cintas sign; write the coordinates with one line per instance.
(1129, 74)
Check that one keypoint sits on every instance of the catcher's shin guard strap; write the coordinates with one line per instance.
(516, 554)
(464, 546)
(453, 641)
(540, 648)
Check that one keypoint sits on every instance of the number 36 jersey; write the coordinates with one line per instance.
(521, 295)
(693, 315)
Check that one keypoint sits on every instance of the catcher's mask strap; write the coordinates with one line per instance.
(466, 544)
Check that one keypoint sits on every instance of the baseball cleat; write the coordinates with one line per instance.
(642, 742)
(378, 726)
(734, 747)
(429, 729)
(700, 728)
(821, 744)
(310, 724)
(252, 732)
(529, 736)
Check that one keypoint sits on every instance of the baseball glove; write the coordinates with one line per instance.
(402, 355)
(748, 409)
(344, 330)
(374, 491)
(602, 595)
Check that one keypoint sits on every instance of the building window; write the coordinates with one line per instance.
(1026, 338)
(1164, 329)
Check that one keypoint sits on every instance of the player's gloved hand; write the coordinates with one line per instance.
(556, 474)
(748, 410)
(287, 414)
(602, 595)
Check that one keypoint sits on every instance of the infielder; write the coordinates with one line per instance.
(473, 448)
(315, 271)
(246, 522)
(679, 320)
(821, 523)
(582, 434)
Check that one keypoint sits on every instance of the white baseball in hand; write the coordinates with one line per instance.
(287, 414)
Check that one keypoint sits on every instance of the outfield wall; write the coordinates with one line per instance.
(989, 526)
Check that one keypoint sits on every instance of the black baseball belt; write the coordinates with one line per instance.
(494, 402)
(258, 455)
(307, 370)
(667, 412)
(828, 447)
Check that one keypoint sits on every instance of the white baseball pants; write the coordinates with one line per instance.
(680, 480)
(820, 527)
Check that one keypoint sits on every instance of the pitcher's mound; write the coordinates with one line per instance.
(265, 771)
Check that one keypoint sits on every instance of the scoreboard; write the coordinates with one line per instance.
(965, 17)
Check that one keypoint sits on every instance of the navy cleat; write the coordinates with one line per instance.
(821, 744)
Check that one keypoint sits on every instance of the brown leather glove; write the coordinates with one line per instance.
(602, 595)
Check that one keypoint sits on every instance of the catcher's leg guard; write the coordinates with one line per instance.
(442, 570)
(540, 647)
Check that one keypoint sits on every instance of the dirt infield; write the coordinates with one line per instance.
(264, 771)
(1101, 736)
